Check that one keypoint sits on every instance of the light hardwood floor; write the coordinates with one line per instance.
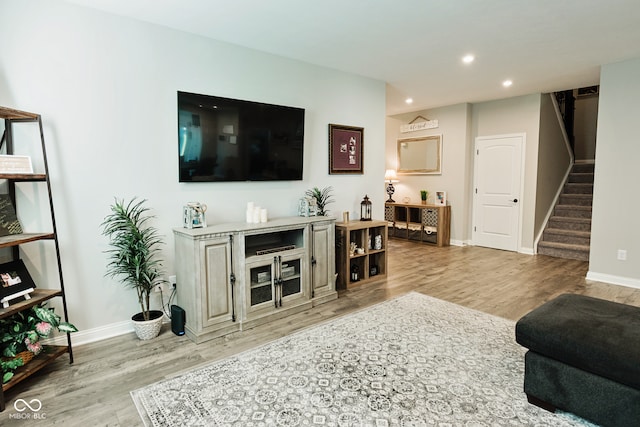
(94, 390)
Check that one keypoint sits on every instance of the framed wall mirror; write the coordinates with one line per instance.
(420, 156)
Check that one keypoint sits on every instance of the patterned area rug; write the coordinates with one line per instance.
(411, 361)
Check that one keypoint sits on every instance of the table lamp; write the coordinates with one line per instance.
(391, 177)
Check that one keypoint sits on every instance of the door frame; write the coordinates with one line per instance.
(523, 138)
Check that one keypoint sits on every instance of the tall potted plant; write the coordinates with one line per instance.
(134, 258)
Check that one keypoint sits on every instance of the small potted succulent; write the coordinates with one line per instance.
(21, 333)
(322, 198)
(423, 196)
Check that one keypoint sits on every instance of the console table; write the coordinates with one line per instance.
(369, 261)
(236, 276)
(419, 222)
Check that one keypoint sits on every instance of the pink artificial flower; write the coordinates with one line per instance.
(43, 329)
(35, 348)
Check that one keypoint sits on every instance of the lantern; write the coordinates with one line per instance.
(365, 209)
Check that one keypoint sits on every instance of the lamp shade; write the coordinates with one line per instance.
(390, 175)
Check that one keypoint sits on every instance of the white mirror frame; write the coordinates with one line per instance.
(420, 155)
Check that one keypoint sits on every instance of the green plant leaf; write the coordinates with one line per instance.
(67, 327)
(47, 315)
(7, 377)
(10, 350)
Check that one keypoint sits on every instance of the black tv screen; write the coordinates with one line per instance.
(223, 139)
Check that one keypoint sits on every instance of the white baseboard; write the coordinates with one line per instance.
(526, 251)
(93, 335)
(96, 334)
(614, 280)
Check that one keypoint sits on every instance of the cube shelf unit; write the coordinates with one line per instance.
(371, 264)
(421, 223)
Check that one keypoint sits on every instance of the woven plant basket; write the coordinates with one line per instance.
(148, 329)
(26, 357)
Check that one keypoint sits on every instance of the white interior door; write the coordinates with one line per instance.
(497, 182)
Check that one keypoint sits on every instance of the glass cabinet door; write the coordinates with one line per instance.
(290, 277)
(273, 280)
(261, 284)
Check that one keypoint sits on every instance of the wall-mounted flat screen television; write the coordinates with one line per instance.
(223, 139)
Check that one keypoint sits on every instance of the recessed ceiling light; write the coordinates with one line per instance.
(409, 100)
(507, 83)
(468, 59)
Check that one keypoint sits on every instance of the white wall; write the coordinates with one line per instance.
(554, 162)
(586, 119)
(616, 205)
(106, 89)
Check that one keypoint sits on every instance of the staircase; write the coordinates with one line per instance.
(568, 232)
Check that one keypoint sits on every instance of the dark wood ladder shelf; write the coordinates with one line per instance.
(40, 294)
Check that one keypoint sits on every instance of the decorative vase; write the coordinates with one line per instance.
(147, 329)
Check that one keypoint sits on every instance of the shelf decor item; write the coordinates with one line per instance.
(441, 198)
(307, 207)
(345, 149)
(15, 282)
(13, 164)
(134, 258)
(365, 209)
(9, 223)
(193, 215)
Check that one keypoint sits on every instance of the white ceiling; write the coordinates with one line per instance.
(416, 46)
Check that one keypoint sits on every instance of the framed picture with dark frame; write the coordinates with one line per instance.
(345, 149)
(14, 278)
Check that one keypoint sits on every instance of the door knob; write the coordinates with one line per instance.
(515, 200)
